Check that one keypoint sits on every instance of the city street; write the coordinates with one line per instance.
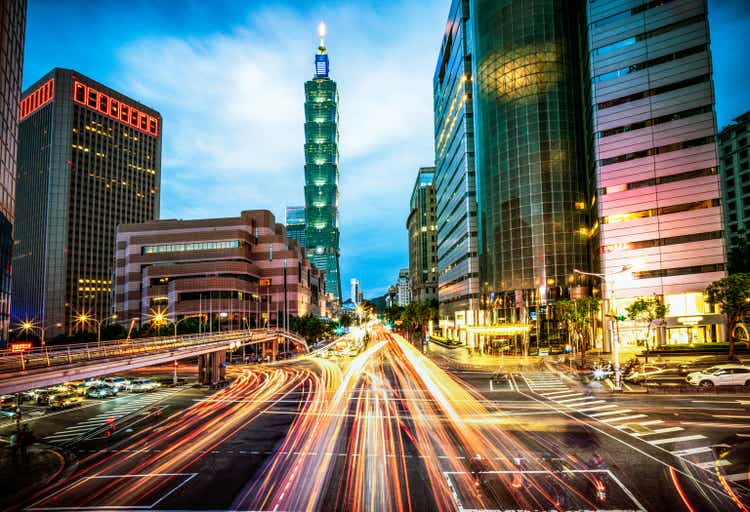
(391, 430)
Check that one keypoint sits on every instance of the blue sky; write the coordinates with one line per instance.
(228, 78)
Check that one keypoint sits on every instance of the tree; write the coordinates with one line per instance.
(310, 327)
(738, 259)
(346, 320)
(393, 313)
(578, 315)
(417, 315)
(732, 295)
(648, 310)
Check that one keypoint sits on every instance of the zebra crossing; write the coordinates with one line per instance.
(694, 448)
(124, 406)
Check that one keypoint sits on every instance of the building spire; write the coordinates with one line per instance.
(322, 34)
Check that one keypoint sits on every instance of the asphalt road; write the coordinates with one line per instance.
(392, 430)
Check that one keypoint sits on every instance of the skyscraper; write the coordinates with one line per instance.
(355, 292)
(89, 159)
(12, 29)
(422, 228)
(295, 223)
(734, 145)
(534, 177)
(659, 203)
(455, 179)
(322, 171)
(404, 288)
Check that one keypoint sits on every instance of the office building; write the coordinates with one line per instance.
(403, 286)
(12, 30)
(239, 271)
(455, 179)
(295, 223)
(355, 293)
(659, 200)
(89, 158)
(322, 171)
(422, 227)
(534, 171)
(735, 175)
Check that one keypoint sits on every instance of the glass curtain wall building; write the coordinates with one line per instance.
(534, 171)
(422, 229)
(659, 196)
(322, 172)
(12, 29)
(455, 180)
(89, 158)
(295, 223)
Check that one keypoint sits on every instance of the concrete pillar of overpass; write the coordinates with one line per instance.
(211, 368)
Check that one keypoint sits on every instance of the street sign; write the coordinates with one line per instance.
(20, 346)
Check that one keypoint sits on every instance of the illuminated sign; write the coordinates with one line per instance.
(37, 99)
(20, 346)
(689, 320)
(115, 109)
(321, 66)
(265, 282)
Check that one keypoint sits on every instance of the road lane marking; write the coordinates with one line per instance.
(659, 431)
(599, 408)
(651, 422)
(692, 451)
(714, 463)
(680, 439)
(737, 477)
(624, 418)
(609, 413)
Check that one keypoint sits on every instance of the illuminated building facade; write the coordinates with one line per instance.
(355, 291)
(534, 173)
(455, 179)
(422, 227)
(658, 186)
(12, 29)
(295, 223)
(734, 145)
(238, 271)
(322, 172)
(89, 159)
(403, 286)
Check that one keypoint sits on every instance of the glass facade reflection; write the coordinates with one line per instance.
(89, 159)
(322, 175)
(295, 223)
(533, 168)
(422, 228)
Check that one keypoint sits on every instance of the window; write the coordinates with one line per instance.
(657, 151)
(634, 68)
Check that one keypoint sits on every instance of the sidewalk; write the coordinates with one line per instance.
(24, 475)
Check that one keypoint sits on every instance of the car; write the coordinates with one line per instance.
(101, 391)
(721, 375)
(78, 386)
(8, 403)
(642, 374)
(119, 383)
(142, 385)
(63, 400)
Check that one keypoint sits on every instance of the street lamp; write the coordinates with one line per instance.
(27, 326)
(606, 278)
(85, 318)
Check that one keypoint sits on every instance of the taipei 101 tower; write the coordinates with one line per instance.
(322, 171)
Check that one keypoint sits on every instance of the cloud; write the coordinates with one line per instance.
(233, 108)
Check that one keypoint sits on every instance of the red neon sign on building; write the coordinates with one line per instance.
(116, 109)
(37, 99)
(20, 346)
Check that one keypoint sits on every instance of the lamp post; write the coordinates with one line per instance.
(609, 283)
(27, 326)
(85, 318)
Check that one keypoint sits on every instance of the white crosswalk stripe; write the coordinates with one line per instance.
(680, 439)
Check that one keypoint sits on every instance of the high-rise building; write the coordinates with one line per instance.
(322, 171)
(355, 292)
(240, 271)
(455, 179)
(422, 227)
(534, 172)
(659, 201)
(89, 158)
(12, 29)
(403, 286)
(734, 145)
(295, 223)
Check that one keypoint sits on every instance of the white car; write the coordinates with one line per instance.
(119, 383)
(141, 385)
(721, 375)
(644, 373)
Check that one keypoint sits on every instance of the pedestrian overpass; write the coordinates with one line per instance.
(54, 364)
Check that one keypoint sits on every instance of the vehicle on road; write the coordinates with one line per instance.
(78, 386)
(143, 385)
(721, 375)
(101, 391)
(119, 383)
(8, 403)
(644, 373)
(64, 400)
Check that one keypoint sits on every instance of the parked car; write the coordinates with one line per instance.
(119, 383)
(721, 375)
(101, 391)
(642, 374)
(63, 400)
(142, 385)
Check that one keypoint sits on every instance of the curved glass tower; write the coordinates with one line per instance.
(533, 169)
(322, 172)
